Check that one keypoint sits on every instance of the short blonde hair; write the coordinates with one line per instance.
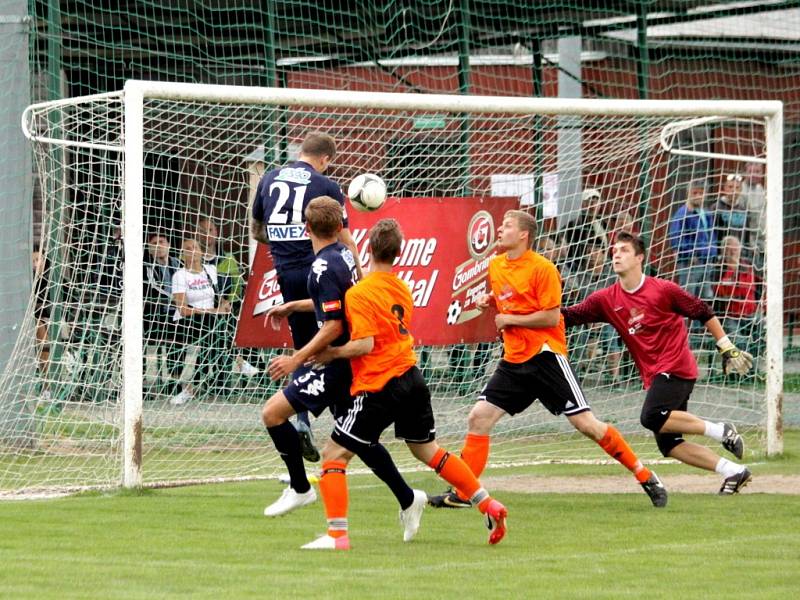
(324, 216)
(525, 221)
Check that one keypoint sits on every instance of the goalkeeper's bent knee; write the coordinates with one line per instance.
(653, 419)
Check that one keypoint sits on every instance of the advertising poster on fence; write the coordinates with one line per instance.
(444, 261)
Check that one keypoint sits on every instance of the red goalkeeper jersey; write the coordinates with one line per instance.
(650, 320)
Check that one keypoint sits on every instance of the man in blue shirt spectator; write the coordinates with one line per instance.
(691, 235)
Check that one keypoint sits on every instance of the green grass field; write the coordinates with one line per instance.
(212, 542)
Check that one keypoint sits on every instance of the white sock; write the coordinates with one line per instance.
(726, 468)
(714, 430)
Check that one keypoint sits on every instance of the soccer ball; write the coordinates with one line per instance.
(367, 192)
(453, 312)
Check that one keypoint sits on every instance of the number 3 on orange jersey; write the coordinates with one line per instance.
(399, 312)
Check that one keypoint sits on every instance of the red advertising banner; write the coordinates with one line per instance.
(444, 261)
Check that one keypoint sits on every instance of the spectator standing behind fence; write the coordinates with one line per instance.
(549, 248)
(691, 235)
(589, 229)
(754, 198)
(194, 293)
(736, 296)
(588, 343)
(229, 277)
(159, 267)
(730, 212)
(625, 222)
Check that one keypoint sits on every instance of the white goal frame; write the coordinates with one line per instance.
(135, 93)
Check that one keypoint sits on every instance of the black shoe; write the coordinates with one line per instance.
(734, 483)
(448, 500)
(732, 441)
(656, 490)
(310, 452)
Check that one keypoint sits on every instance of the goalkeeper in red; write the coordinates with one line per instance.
(649, 313)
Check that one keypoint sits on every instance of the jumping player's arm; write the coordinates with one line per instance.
(588, 311)
(346, 238)
(281, 366)
(257, 218)
(693, 307)
(284, 310)
(274, 315)
(257, 231)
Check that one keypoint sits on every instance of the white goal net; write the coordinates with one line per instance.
(89, 396)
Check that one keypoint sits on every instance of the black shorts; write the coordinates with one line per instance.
(404, 401)
(666, 393)
(546, 377)
(294, 286)
(315, 389)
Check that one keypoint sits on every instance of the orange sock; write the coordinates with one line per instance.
(618, 449)
(333, 487)
(458, 474)
(475, 453)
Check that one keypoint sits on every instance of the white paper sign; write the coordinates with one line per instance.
(514, 185)
(550, 195)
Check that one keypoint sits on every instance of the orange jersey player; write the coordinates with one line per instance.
(388, 388)
(526, 290)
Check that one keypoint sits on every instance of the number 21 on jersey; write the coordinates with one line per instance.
(280, 214)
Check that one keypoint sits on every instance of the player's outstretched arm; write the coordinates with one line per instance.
(280, 366)
(588, 311)
(351, 349)
(346, 238)
(733, 359)
(277, 313)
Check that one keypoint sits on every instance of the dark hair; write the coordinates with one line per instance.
(318, 144)
(324, 216)
(156, 233)
(634, 240)
(385, 240)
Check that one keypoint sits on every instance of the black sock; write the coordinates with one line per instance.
(287, 443)
(377, 458)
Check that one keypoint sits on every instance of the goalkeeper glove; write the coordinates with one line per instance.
(733, 359)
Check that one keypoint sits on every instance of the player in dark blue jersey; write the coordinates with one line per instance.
(278, 219)
(312, 388)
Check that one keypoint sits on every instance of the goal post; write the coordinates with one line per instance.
(158, 156)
